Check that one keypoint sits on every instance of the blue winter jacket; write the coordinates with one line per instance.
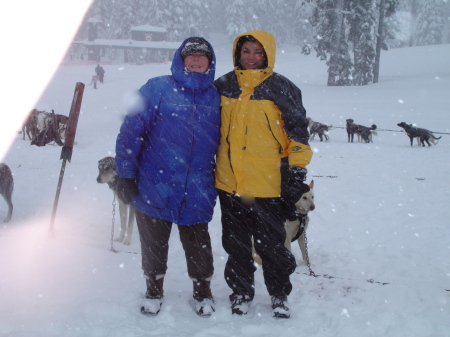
(168, 145)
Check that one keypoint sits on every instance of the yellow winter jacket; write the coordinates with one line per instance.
(263, 127)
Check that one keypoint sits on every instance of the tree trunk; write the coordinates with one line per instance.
(412, 30)
(334, 57)
(376, 66)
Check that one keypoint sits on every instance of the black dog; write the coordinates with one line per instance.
(363, 132)
(423, 135)
(6, 188)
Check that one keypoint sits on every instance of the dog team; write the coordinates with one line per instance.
(196, 140)
(365, 133)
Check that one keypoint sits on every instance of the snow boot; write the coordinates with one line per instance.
(204, 302)
(280, 307)
(240, 304)
(152, 302)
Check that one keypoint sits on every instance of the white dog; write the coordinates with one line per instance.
(295, 230)
(107, 174)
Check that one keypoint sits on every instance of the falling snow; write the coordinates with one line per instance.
(378, 238)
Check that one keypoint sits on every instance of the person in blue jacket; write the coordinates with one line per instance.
(165, 160)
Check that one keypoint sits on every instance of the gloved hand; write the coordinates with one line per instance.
(126, 189)
(295, 186)
(289, 209)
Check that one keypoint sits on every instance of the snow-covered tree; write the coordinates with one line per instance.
(447, 22)
(117, 17)
(414, 14)
(330, 41)
(430, 23)
(241, 16)
(275, 16)
(386, 30)
(362, 34)
(196, 16)
(303, 34)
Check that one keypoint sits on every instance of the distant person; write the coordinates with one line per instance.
(100, 72)
(165, 159)
(94, 81)
(261, 169)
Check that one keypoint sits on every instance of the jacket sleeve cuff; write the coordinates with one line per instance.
(299, 154)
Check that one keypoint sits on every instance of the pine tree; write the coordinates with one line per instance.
(386, 30)
(430, 23)
(447, 22)
(151, 12)
(343, 67)
(241, 16)
(275, 16)
(194, 16)
(413, 24)
(330, 41)
(175, 19)
(303, 33)
(362, 35)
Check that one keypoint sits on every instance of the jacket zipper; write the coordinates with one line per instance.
(195, 113)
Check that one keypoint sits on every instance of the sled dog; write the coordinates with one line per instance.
(423, 135)
(107, 174)
(6, 188)
(320, 129)
(364, 133)
(296, 230)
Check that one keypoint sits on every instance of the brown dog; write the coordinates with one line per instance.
(6, 188)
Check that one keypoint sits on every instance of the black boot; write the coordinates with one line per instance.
(204, 302)
(153, 297)
(280, 307)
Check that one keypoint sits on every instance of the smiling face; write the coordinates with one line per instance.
(252, 55)
(196, 62)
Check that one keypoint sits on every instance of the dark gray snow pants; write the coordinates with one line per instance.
(154, 235)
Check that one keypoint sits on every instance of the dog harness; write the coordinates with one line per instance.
(301, 228)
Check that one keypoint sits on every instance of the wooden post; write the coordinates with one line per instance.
(66, 152)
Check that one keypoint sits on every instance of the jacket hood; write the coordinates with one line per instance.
(197, 81)
(266, 39)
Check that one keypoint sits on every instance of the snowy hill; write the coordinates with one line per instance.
(381, 215)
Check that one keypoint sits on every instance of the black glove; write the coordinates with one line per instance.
(126, 189)
(290, 211)
(292, 189)
(295, 186)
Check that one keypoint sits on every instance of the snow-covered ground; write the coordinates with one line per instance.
(382, 213)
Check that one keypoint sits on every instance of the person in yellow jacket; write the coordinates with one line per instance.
(260, 171)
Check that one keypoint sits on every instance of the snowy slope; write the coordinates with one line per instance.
(381, 214)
